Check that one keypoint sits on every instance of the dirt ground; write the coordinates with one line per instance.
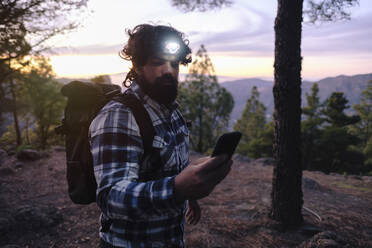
(35, 210)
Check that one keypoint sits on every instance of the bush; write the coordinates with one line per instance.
(23, 147)
(55, 139)
(8, 140)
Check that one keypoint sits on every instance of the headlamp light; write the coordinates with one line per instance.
(170, 50)
(171, 47)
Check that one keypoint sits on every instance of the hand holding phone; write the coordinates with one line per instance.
(226, 144)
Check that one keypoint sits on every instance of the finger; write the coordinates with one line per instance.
(212, 163)
(196, 220)
(190, 219)
(200, 160)
(196, 217)
(188, 212)
(187, 216)
(217, 175)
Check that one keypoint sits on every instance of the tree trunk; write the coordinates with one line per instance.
(43, 137)
(15, 114)
(286, 192)
(27, 135)
(201, 133)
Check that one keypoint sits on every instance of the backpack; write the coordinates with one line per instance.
(84, 102)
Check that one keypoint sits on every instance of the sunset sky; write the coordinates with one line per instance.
(239, 39)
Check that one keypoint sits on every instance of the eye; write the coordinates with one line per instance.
(175, 64)
(156, 62)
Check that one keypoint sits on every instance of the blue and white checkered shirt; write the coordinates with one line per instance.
(136, 212)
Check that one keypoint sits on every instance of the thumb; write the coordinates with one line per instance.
(213, 163)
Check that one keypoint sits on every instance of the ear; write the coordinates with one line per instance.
(137, 69)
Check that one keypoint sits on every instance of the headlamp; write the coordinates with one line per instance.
(169, 50)
(171, 47)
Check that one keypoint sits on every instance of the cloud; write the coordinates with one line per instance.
(95, 49)
(252, 36)
(249, 31)
(349, 37)
(346, 38)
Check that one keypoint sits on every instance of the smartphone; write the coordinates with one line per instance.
(226, 144)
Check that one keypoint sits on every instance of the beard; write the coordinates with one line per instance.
(164, 89)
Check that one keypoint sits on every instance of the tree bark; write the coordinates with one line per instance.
(286, 192)
(44, 136)
(27, 134)
(15, 114)
(201, 133)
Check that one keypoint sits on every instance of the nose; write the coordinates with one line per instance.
(167, 68)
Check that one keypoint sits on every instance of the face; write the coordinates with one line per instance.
(159, 79)
(158, 67)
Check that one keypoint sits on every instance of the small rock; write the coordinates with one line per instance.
(59, 149)
(28, 154)
(367, 178)
(33, 217)
(325, 239)
(45, 154)
(335, 174)
(4, 171)
(241, 158)
(308, 183)
(310, 229)
(11, 153)
(4, 224)
(19, 164)
(264, 161)
(3, 156)
(356, 177)
(318, 172)
(327, 243)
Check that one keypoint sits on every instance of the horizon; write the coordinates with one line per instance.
(117, 78)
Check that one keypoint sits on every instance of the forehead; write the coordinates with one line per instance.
(161, 59)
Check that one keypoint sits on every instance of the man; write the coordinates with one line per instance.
(137, 210)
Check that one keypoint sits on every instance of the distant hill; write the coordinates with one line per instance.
(351, 86)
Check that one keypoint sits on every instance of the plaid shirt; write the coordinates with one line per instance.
(138, 213)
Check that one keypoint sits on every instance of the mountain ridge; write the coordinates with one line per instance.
(352, 86)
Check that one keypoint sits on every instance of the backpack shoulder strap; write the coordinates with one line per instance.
(142, 117)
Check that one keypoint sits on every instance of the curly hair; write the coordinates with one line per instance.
(144, 41)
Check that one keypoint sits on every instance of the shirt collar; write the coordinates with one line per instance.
(136, 89)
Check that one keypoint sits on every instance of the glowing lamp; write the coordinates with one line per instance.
(171, 47)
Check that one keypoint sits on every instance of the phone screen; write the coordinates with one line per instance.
(226, 144)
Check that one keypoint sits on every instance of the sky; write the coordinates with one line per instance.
(239, 39)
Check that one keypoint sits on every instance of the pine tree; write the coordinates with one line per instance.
(310, 127)
(252, 125)
(335, 152)
(363, 129)
(334, 109)
(205, 102)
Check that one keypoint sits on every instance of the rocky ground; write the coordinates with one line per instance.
(35, 210)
